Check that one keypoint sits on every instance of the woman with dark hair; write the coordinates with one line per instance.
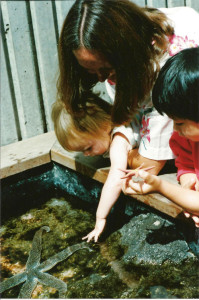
(124, 45)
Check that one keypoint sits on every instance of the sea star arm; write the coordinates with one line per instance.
(28, 287)
(54, 282)
(13, 281)
(52, 261)
(35, 253)
(130, 173)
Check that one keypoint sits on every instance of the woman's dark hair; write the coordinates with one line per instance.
(176, 91)
(129, 37)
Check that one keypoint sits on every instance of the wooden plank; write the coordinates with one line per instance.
(62, 9)
(175, 3)
(46, 49)
(24, 68)
(8, 125)
(193, 3)
(160, 202)
(94, 167)
(27, 154)
(139, 2)
(36, 151)
(13, 65)
(156, 3)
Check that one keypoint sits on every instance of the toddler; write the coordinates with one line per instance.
(90, 131)
(176, 93)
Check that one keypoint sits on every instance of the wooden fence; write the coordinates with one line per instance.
(29, 36)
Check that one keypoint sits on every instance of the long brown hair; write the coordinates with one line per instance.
(131, 38)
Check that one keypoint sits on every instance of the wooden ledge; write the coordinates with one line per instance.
(97, 168)
(42, 149)
(26, 154)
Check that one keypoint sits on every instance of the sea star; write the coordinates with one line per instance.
(134, 173)
(34, 271)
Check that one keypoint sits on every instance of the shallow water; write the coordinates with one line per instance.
(97, 274)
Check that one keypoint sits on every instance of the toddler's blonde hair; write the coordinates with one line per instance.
(91, 120)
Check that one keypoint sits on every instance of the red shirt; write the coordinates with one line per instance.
(187, 154)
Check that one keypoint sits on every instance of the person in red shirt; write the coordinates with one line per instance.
(176, 93)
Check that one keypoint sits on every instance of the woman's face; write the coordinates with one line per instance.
(94, 63)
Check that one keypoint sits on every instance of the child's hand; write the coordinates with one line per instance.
(189, 181)
(149, 184)
(197, 185)
(194, 218)
(99, 227)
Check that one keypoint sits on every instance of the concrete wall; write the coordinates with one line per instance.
(29, 35)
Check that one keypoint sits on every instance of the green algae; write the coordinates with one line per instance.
(68, 225)
(102, 273)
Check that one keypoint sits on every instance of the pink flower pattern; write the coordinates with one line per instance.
(178, 43)
(144, 130)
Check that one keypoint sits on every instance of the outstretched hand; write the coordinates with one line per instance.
(94, 234)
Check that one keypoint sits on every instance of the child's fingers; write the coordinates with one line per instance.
(127, 190)
(125, 170)
(88, 237)
(136, 187)
(145, 176)
(197, 185)
(190, 184)
(187, 215)
(96, 238)
(196, 220)
(129, 175)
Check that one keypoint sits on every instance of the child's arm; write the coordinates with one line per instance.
(112, 188)
(190, 181)
(135, 160)
(188, 199)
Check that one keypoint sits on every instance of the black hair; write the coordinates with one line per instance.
(176, 91)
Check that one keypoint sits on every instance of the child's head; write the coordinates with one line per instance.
(88, 131)
(176, 92)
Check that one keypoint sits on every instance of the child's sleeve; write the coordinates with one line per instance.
(182, 149)
(155, 133)
(128, 132)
